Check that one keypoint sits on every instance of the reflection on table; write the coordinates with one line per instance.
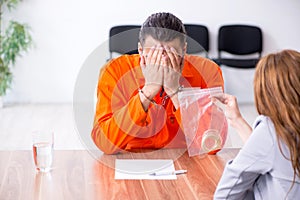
(78, 175)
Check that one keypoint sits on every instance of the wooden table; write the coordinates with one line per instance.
(78, 175)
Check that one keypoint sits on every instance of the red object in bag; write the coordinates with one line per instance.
(204, 123)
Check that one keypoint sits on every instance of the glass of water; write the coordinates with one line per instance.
(43, 142)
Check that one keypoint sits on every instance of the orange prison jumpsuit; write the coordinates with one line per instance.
(120, 121)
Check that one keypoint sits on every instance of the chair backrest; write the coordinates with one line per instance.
(198, 39)
(124, 39)
(240, 39)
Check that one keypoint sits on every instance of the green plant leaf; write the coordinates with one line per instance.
(5, 78)
(11, 4)
(16, 39)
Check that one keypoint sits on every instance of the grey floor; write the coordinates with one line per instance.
(18, 121)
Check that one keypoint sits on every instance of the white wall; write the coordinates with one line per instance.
(65, 32)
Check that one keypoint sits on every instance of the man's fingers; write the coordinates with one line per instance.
(159, 56)
(150, 55)
(154, 59)
(142, 61)
(173, 57)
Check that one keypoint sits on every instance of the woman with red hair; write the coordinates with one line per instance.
(268, 166)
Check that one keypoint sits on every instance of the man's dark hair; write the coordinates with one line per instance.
(163, 27)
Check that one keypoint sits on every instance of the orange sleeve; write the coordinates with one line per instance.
(213, 75)
(205, 71)
(117, 120)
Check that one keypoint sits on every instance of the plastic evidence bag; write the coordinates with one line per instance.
(203, 120)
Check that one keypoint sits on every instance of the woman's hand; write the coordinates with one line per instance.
(234, 117)
(232, 110)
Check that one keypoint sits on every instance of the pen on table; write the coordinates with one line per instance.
(176, 172)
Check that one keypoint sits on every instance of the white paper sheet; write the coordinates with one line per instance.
(142, 169)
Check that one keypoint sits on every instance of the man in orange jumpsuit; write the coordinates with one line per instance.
(138, 105)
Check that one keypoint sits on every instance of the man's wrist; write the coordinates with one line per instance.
(175, 101)
(145, 101)
(150, 90)
(173, 95)
(173, 92)
(143, 96)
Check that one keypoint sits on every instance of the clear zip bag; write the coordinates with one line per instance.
(203, 121)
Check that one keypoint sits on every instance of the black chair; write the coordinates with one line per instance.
(124, 39)
(242, 43)
(198, 39)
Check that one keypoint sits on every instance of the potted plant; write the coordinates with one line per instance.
(14, 40)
